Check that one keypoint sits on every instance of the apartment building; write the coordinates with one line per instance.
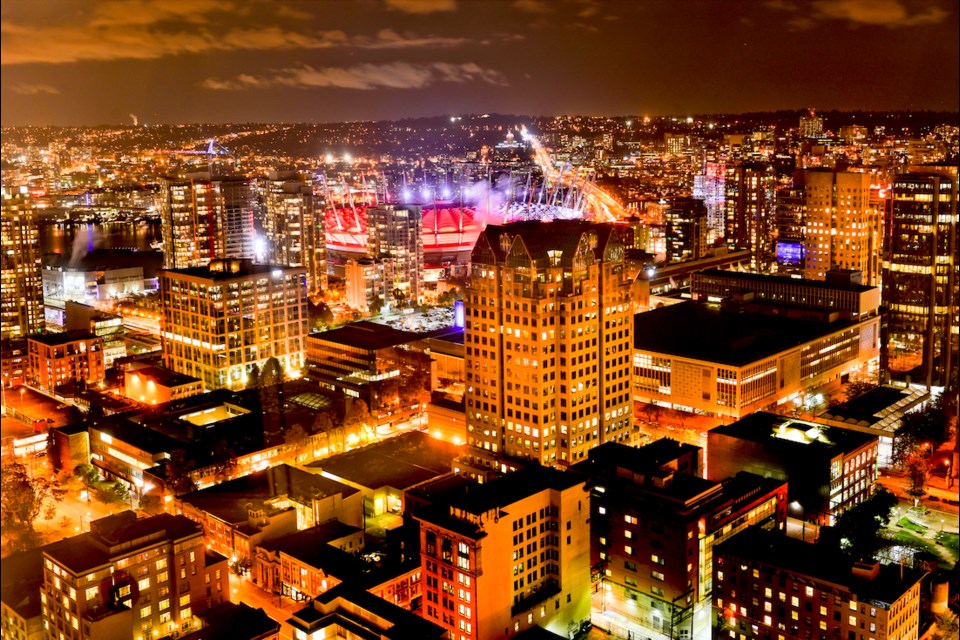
(57, 359)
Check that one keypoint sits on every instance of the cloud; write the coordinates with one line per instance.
(876, 13)
(363, 77)
(421, 6)
(34, 89)
(138, 40)
(532, 6)
(147, 12)
(390, 39)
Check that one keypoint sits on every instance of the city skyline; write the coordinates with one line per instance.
(152, 61)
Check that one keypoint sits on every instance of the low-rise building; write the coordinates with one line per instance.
(57, 359)
(828, 470)
(346, 611)
(508, 555)
(158, 385)
(383, 471)
(772, 586)
(21, 578)
(237, 622)
(745, 361)
(131, 578)
(240, 514)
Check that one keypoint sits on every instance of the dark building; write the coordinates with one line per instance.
(750, 201)
(828, 469)
(686, 229)
(653, 526)
(771, 586)
(920, 279)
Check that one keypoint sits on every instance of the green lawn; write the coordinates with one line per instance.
(906, 523)
(951, 541)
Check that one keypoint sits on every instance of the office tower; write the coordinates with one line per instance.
(293, 227)
(772, 586)
(203, 218)
(21, 309)
(709, 187)
(653, 526)
(750, 200)
(130, 578)
(394, 240)
(548, 344)
(686, 229)
(811, 125)
(513, 554)
(221, 319)
(789, 221)
(920, 279)
(842, 229)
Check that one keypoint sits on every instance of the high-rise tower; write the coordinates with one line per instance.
(920, 279)
(293, 226)
(203, 218)
(750, 196)
(842, 227)
(395, 240)
(548, 343)
(21, 310)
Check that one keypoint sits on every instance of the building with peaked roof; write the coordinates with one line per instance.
(504, 556)
(548, 344)
(772, 586)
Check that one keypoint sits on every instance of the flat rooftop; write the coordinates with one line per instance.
(791, 436)
(229, 500)
(813, 560)
(700, 332)
(211, 415)
(55, 339)
(233, 270)
(759, 278)
(163, 376)
(370, 336)
(879, 409)
(399, 462)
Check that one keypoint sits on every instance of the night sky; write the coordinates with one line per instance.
(80, 62)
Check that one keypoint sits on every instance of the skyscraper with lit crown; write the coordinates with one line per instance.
(548, 340)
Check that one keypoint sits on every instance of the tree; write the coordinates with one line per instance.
(323, 423)
(858, 529)
(24, 497)
(240, 566)
(948, 626)
(87, 473)
(178, 473)
(119, 491)
(857, 388)
(253, 378)
(358, 414)
(918, 471)
(297, 436)
(151, 504)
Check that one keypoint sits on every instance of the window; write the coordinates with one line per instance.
(146, 611)
(91, 593)
(656, 575)
(185, 600)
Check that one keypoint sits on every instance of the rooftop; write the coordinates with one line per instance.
(817, 562)
(229, 501)
(370, 336)
(56, 339)
(118, 536)
(759, 278)
(21, 576)
(223, 270)
(734, 339)
(539, 238)
(791, 436)
(399, 462)
(235, 621)
(163, 376)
